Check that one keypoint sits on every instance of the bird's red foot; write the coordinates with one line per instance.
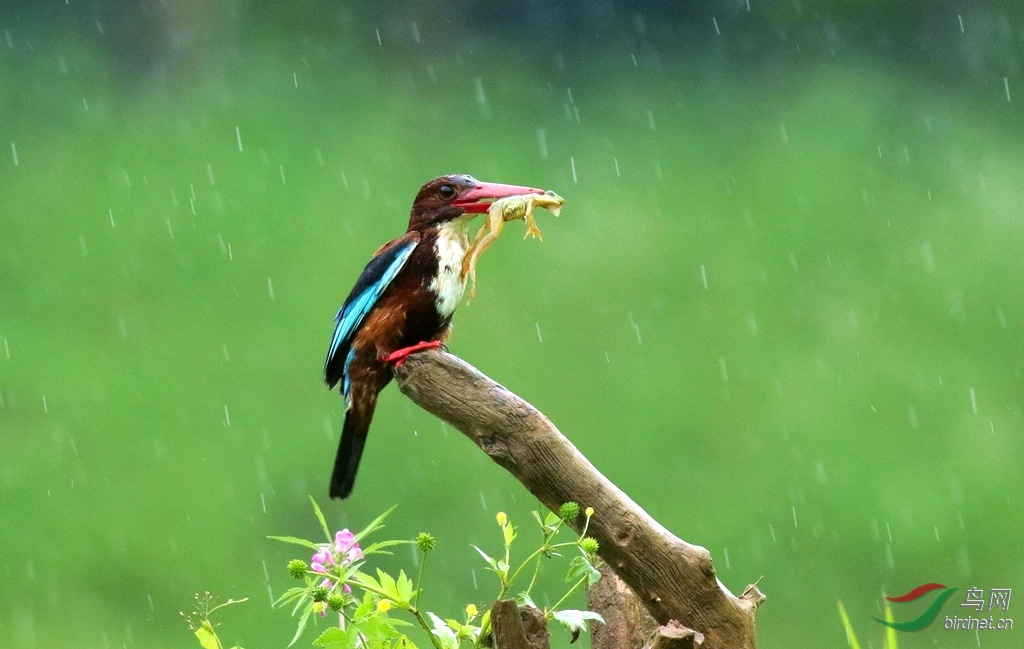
(399, 355)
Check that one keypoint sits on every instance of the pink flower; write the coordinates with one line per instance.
(329, 560)
(346, 545)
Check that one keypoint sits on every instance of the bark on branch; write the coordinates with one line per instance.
(674, 579)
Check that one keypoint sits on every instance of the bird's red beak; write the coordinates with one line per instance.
(474, 201)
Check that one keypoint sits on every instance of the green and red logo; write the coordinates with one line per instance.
(929, 614)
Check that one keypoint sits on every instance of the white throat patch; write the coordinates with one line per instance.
(452, 244)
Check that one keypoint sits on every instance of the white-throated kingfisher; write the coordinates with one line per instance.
(402, 303)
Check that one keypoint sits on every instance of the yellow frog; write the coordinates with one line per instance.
(509, 208)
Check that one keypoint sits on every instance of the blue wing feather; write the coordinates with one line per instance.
(375, 279)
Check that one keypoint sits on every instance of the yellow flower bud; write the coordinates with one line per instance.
(471, 610)
(502, 519)
(383, 606)
(589, 512)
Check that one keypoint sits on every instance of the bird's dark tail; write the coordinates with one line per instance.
(350, 449)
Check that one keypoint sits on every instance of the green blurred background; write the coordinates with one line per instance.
(782, 308)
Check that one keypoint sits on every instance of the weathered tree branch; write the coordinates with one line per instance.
(518, 627)
(627, 624)
(674, 579)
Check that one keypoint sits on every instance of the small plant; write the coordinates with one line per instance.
(336, 581)
(851, 637)
(199, 621)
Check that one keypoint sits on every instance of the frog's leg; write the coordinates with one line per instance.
(483, 239)
(531, 225)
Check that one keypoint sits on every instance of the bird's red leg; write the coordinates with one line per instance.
(399, 355)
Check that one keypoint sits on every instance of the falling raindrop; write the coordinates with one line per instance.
(238, 137)
(714, 21)
(636, 329)
(1006, 85)
(974, 400)
(572, 163)
(227, 417)
(617, 174)
(478, 85)
(542, 144)
(794, 516)
(820, 473)
(725, 553)
(270, 288)
(46, 409)
(704, 276)
(14, 153)
(722, 369)
(415, 29)
(960, 19)
(539, 337)
(913, 417)
(771, 530)
(928, 257)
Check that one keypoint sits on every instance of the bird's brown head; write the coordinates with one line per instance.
(447, 198)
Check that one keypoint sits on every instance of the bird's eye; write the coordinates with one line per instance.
(446, 191)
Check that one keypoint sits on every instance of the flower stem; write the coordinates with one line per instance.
(419, 580)
(569, 594)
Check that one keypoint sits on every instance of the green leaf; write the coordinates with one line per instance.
(526, 600)
(364, 607)
(447, 637)
(509, 533)
(207, 637)
(851, 637)
(291, 594)
(552, 520)
(363, 578)
(388, 586)
(536, 517)
(576, 620)
(335, 638)
(323, 521)
(302, 622)
(297, 541)
(375, 524)
(375, 548)
(491, 562)
(405, 589)
(581, 567)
